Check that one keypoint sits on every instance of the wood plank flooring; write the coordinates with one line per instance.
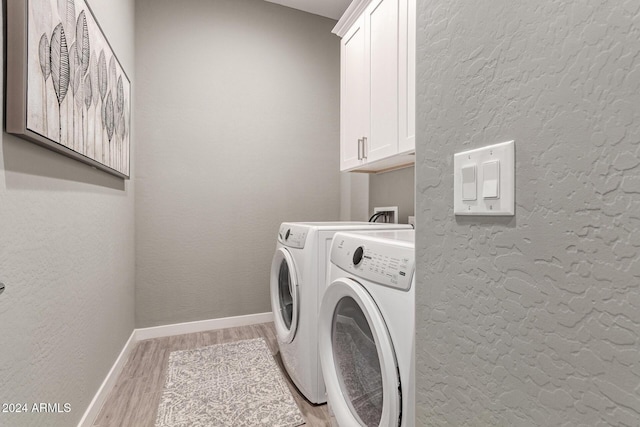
(134, 400)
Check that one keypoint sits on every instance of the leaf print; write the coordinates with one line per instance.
(87, 103)
(102, 75)
(78, 76)
(44, 55)
(119, 122)
(103, 115)
(126, 122)
(119, 97)
(93, 70)
(117, 149)
(109, 118)
(59, 56)
(95, 95)
(87, 91)
(75, 81)
(73, 66)
(59, 63)
(112, 73)
(122, 126)
(78, 84)
(82, 42)
(45, 60)
(67, 12)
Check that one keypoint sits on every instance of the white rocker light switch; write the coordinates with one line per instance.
(491, 180)
(469, 185)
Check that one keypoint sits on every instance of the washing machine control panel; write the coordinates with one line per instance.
(378, 261)
(292, 235)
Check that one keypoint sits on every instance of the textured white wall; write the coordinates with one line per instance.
(67, 259)
(534, 319)
(238, 131)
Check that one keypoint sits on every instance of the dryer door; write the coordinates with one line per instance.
(358, 360)
(284, 295)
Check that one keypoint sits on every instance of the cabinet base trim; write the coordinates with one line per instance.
(388, 169)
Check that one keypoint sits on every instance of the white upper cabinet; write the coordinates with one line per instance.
(354, 99)
(382, 21)
(377, 85)
(407, 77)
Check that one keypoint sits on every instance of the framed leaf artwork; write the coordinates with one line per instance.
(66, 89)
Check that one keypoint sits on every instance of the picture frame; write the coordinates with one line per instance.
(65, 87)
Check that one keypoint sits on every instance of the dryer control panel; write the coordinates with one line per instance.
(383, 261)
(291, 235)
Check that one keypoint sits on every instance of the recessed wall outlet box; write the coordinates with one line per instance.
(484, 180)
(391, 214)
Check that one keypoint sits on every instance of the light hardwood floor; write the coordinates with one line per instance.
(134, 400)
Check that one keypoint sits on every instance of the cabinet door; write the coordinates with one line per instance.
(353, 97)
(382, 20)
(407, 77)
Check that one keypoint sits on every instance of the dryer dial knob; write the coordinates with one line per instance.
(286, 236)
(357, 255)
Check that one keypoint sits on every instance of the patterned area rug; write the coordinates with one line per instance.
(234, 384)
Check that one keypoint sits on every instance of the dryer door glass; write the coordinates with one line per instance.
(357, 363)
(285, 291)
(284, 295)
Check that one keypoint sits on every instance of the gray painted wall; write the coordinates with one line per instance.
(395, 188)
(532, 319)
(354, 196)
(67, 259)
(238, 131)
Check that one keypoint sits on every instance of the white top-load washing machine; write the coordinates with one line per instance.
(366, 330)
(298, 280)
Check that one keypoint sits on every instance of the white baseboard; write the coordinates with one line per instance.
(93, 410)
(201, 326)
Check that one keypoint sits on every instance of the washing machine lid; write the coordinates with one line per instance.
(294, 234)
(341, 224)
(284, 295)
(358, 359)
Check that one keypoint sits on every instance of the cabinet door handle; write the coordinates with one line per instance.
(360, 149)
(364, 147)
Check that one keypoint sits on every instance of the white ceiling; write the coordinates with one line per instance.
(330, 8)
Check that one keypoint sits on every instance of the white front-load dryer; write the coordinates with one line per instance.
(366, 330)
(298, 281)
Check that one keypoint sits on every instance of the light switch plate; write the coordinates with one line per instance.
(504, 204)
